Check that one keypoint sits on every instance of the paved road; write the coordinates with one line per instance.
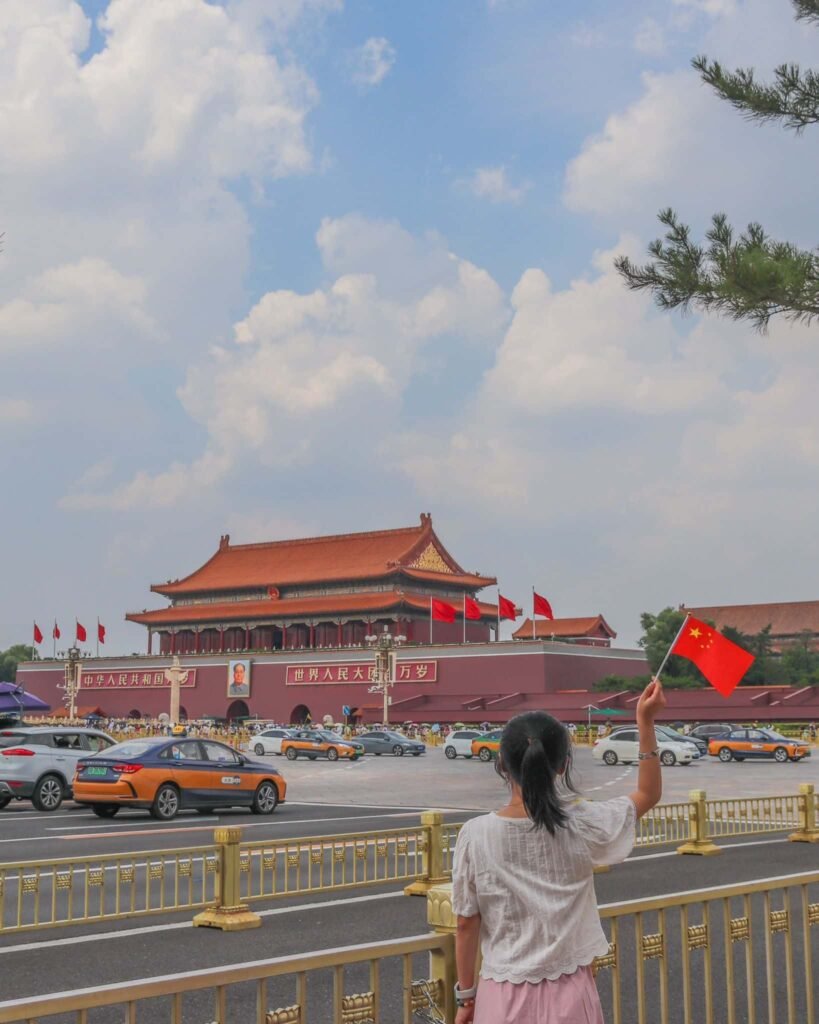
(388, 793)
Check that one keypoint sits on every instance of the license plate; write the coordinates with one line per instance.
(96, 771)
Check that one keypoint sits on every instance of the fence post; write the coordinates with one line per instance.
(432, 855)
(228, 911)
(808, 831)
(698, 838)
(442, 920)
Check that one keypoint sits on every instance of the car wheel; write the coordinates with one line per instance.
(166, 803)
(265, 799)
(291, 754)
(780, 755)
(451, 753)
(105, 810)
(48, 794)
(610, 757)
(332, 754)
(485, 754)
(725, 754)
(258, 750)
(667, 758)
(398, 750)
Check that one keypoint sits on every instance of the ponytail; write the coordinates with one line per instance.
(535, 752)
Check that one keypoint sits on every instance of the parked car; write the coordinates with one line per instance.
(37, 763)
(166, 776)
(385, 741)
(486, 745)
(313, 743)
(708, 730)
(698, 744)
(270, 741)
(624, 745)
(757, 743)
(459, 743)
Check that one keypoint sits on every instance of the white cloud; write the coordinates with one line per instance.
(493, 183)
(650, 38)
(306, 370)
(372, 61)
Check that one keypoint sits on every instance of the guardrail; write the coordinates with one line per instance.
(222, 880)
(730, 954)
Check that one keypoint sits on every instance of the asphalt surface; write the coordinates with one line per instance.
(326, 799)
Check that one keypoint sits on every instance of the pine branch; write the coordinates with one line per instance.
(752, 278)
(807, 10)
(792, 98)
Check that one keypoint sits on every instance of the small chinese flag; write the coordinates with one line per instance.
(56, 632)
(472, 610)
(506, 608)
(441, 611)
(721, 662)
(100, 632)
(38, 634)
(542, 607)
(82, 635)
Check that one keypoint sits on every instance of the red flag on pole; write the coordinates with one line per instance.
(56, 631)
(472, 610)
(82, 635)
(38, 635)
(542, 607)
(721, 662)
(100, 632)
(506, 608)
(442, 612)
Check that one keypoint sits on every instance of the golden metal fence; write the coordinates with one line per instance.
(65, 891)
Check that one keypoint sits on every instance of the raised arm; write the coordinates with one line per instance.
(649, 776)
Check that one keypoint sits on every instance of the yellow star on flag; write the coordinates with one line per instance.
(696, 633)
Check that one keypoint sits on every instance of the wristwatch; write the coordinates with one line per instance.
(651, 753)
(465, 996)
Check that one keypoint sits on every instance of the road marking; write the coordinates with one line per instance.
(26, 947)
(206, 828)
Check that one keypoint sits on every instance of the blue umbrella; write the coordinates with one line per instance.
(14, 698)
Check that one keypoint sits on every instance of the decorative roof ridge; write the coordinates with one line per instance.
(328, 538)
(753, 604)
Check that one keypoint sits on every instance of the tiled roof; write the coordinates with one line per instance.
(294, 609)
(545, 629)
(351, 556)
(787, 618)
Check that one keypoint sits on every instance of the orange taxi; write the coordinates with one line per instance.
(487, 745)
(313, 743)
(167, 775)
(757, 743)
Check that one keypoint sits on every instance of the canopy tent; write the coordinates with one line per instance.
(13, 698)
(607, 712)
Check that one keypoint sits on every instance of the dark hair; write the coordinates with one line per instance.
(534, 749)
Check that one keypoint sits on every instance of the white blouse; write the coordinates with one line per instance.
(535, 892)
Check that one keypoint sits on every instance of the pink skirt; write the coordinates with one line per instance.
(569, 999)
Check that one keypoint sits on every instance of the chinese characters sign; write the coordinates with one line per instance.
(153, 680)
(405, 672)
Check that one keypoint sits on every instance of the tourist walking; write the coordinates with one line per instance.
(522, 880)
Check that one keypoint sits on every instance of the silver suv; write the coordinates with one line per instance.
(37, 762)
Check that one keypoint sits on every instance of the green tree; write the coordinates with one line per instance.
(750, 276)
(10, 659)
(659, 632)
(800, 661)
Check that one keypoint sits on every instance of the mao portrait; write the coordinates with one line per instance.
(238, 679)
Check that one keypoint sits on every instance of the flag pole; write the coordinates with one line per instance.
(533, 614)
(497, 635)
(54, 640)
(464, 618)
(671, 648)
(430, 619)
(98, 636)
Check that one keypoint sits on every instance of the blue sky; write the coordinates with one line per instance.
(283, 267)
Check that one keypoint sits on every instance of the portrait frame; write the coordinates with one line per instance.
(239, 687)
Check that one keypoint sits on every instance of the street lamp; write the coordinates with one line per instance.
(383, 646)
(71, 678)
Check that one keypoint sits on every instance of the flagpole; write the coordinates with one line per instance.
(54, 640)
(430, 619)
(671, 648)
(98, 636)
(533, 614)
(497, 635)
(464, 618)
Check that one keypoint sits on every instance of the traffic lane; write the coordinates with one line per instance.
(80, 834)
(163, 945)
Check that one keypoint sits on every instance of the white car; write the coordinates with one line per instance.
(269, 741)
(623, 746)
(459, 743)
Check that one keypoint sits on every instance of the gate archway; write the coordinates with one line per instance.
(237, 709)
(300, 715)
